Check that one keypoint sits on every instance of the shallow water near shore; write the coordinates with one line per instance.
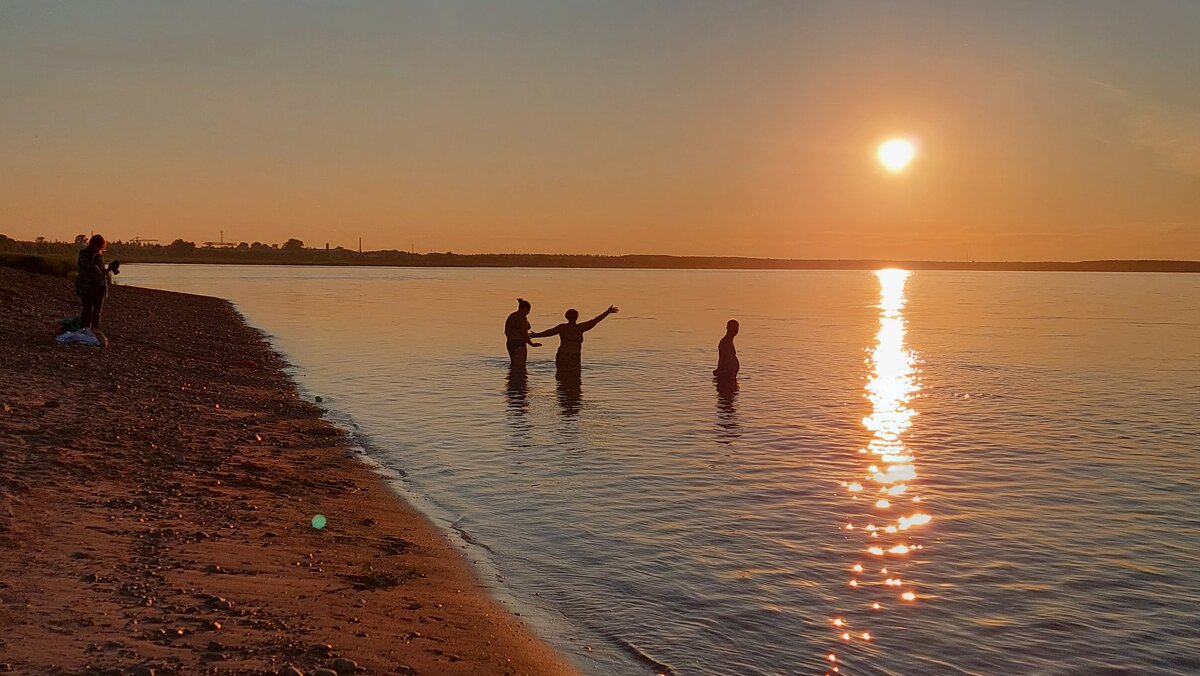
(1017, 450)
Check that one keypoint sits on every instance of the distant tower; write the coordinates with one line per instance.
(360, 245)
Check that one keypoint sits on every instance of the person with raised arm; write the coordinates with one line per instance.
(569, 358)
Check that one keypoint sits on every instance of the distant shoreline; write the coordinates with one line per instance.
(294, 252)
(704, 263)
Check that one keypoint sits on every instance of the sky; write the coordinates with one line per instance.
(1045, 130)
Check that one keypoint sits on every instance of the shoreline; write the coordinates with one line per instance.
(156, 500)
(713, 264)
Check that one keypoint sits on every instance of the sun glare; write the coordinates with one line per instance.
(896, 154)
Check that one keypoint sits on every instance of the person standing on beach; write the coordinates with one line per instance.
(91, 284)
(727, 361)
(516, 331)
(569, 358)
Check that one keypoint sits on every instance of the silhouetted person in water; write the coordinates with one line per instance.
(568, 360)
(727, 361)
(516, 330)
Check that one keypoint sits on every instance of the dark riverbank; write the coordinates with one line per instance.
(295, 253)
(156, 506)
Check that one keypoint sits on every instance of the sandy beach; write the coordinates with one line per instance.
(156, 506)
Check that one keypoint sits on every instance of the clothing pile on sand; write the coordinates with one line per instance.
(82, 337)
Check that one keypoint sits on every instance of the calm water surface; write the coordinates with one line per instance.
(926, 473)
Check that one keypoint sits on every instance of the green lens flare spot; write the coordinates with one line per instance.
(318, 521)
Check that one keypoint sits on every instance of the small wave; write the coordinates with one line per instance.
(467, 537)
(645, 657)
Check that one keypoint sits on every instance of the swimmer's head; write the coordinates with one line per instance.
(523, 305)
(572, 315)
(732, 326)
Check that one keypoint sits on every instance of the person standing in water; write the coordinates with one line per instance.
(727, 361)
(568, 359)
(516, 330)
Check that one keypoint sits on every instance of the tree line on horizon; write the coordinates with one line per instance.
(294, 252)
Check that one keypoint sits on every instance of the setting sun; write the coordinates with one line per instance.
(896, 154)
(886, 271)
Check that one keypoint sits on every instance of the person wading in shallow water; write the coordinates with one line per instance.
(92, 283)
(727, 361)
(568, 359)
(516, 330)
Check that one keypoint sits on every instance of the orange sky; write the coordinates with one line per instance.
(1046, 131)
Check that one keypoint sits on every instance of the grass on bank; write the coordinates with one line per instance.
(42, 265)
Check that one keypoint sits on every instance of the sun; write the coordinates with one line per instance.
(896, 154)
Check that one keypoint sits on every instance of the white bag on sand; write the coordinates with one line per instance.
(84, 337)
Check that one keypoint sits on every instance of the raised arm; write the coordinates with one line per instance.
(548, 332)
(591, 323)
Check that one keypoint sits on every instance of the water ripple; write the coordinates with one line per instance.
(669, 524)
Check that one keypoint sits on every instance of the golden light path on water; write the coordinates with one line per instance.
(884, 505)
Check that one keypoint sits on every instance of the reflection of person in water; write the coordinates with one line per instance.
(516, 396)
(516, 390)
(570, 393)
(727, 361)
(728, 429)
(516, 331)
(570, 336)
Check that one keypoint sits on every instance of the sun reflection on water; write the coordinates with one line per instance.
(889, 470)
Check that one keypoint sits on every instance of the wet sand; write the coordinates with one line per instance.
(156, 500)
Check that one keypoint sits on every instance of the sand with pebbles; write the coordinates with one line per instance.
(156, 500)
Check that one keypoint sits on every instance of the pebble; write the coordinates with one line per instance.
(324, 672)
(404, 669)
(142, 670)
(345, 666)
(220, 603)
(290, 671)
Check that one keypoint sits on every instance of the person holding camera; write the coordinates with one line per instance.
(91, 284)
